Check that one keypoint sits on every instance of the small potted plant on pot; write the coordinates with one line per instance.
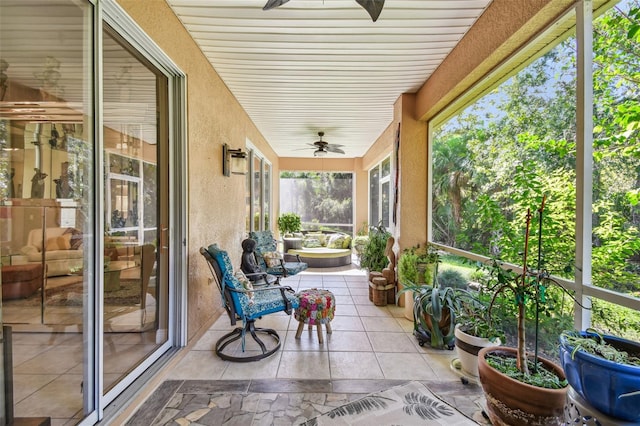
(434, 306)
(605, 371)
(288, 223)
(415, 266)
(521, 389)
(475, 330)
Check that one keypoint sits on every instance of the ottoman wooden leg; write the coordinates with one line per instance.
(328, 325)
(320, 339)
(300, 328)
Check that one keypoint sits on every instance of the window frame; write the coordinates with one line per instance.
(577, 21)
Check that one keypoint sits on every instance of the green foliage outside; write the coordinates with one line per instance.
(504, 153)
(319, 198)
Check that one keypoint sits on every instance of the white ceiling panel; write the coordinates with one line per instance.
(323, 65)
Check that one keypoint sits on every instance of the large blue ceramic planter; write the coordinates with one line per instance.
(611, 388)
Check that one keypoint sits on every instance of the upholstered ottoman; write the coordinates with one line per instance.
(316, 307)
(21, 281)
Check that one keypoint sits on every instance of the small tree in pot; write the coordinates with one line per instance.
(522, 389)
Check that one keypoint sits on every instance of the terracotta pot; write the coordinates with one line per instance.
(467, 347)
(513, 403)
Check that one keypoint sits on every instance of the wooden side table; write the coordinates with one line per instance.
(316, 307)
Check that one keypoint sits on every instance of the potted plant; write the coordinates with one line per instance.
(604, 370)
(415, 266)
(475, 330)
(288, 223)
(434, 308)
(373, 255)
(521, 389)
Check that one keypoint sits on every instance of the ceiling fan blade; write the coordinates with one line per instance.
(334, 149)
(274, 3)
(373, 7)
(334, 145)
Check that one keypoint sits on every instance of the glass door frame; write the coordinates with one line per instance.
(175, 232)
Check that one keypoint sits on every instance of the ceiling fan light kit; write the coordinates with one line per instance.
(373, 7)
(324, 147)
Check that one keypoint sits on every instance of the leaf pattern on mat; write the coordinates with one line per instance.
(369, 403)
(425, 407)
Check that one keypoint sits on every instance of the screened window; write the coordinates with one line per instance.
(323, 200)
(511, 146)
(380, 193)
(258, 192)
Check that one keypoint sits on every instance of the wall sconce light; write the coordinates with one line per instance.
(234, 161)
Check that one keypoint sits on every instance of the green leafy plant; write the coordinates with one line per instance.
(594, 343)
(474, 319)
(435, 306)
(288, 223)
(416, 264)
(373, 255)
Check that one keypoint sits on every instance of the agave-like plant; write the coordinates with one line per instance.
(435, 309)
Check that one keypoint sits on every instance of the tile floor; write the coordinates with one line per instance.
(371, 348)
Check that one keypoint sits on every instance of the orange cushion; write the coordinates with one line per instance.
(63, 242)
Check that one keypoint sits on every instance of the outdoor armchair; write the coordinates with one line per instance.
(246, 303)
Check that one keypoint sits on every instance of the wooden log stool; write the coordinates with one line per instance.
(316, 307)
(379, 287)
(372, 275)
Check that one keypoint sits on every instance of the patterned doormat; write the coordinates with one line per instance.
(409, 404)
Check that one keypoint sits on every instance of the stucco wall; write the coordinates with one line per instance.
(214, 117)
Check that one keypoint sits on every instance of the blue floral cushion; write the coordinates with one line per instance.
(263, 303)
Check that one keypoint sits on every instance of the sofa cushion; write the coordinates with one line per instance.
(63, 242)
(336, 241)
(76, 238)
(311, 242)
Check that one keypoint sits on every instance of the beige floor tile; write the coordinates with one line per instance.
(362, 300)
(349, 341)
(208, 340)
(383, 341)
(308, 341)
(346, 323)
(372, 311)
(381, 324)
(348, 310)
(265, 368)
(359, 291)
(405, 366)
(354, 365)
(312, 365)
(441, 364)
(343, 299)
(203, 365)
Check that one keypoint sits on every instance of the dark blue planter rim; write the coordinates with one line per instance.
(612, 340)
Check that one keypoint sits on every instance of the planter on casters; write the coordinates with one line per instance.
(467, 347)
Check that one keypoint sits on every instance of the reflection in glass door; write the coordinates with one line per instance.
(135, 146)
(46, 205)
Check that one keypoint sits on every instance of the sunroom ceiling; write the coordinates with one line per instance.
(323, 65)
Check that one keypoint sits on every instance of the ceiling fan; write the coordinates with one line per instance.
(373, 7)
(324, 147)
